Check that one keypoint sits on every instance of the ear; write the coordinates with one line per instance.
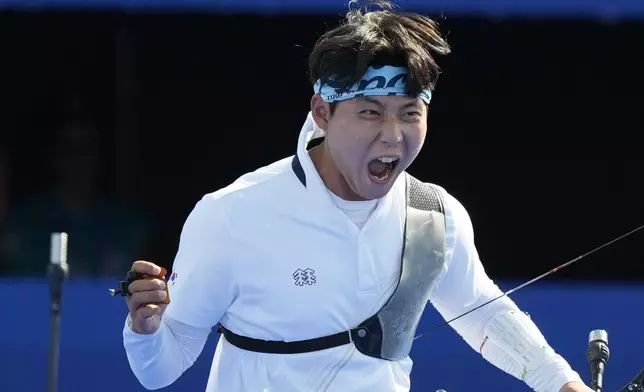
(320, 111)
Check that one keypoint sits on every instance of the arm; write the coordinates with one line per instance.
(200, 295)
(525, 353)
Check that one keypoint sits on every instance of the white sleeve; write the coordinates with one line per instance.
(159, 359)
(201, 291)
(465, 285)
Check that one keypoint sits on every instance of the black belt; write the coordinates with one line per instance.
(297, 347)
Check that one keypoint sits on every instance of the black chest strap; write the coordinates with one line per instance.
(301, 346)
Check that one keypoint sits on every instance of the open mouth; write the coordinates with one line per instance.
(381, 169)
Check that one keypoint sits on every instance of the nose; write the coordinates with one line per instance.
(391, 132)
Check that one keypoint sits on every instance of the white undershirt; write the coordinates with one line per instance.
(357, 211)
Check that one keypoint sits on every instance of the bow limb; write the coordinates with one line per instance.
(636, 385)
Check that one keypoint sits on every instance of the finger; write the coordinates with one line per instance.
(146, 297)
(150, 310)
(146, 285)
(146, 267)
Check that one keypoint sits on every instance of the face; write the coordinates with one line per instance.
(369, 142)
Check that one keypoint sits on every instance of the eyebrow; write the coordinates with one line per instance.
(369, 99)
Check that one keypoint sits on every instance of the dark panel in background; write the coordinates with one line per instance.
(535, 126)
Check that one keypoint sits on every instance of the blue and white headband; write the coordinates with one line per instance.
(378, 80)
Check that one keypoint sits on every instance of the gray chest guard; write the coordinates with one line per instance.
(389, 333)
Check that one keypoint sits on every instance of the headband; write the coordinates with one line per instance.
(378, 80)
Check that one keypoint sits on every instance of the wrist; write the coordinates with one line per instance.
(130, 324)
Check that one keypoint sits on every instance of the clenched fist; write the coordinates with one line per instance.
(146, 302)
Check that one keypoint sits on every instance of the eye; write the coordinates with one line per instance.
(413, 113)
(412, 116)
(370, 112)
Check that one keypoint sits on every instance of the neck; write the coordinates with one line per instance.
(330, 175)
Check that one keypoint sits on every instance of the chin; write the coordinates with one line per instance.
(373, 190)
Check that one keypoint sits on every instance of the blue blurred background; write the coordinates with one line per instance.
(117, 116)
(92, 356)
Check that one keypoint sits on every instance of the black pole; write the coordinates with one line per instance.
(597, 355)
(57, 273)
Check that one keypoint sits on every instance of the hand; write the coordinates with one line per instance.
(145, 303)
(575, 386)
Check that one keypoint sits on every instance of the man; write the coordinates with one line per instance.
(294, 260)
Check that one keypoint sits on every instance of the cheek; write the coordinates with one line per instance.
(415, 139)
(346, 153)
(349, 143)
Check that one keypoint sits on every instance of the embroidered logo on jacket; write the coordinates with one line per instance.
(303, 277)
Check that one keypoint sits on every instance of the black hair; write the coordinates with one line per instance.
(379, 36)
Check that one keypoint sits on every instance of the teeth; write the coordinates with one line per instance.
(387, 160)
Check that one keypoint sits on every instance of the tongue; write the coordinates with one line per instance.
(377, 168)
